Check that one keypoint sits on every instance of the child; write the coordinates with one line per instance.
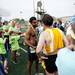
(3, 53)
(6, 35)
(14, 45)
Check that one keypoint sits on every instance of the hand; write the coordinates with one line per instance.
(42, 58)
(34, 47)
(21, 34)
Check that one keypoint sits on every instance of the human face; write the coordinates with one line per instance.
(13, 23)
(34, 23)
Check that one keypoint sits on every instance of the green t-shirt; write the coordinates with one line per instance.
(5, 29)
(14, 42)
(11, 28)
(2, 48)
(1, 29)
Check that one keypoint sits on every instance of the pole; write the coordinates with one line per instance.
(34, 7)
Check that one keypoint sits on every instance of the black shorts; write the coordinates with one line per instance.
(33, 57)
(7, 45)
(50, 63)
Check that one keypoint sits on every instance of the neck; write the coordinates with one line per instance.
(34, 27)
(47, 27)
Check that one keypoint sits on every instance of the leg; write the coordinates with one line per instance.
(36, 66)
(6, 66)
(29, 66)
(47, 73)
(51, 68)
(5, 63)
(56, 73)
(18, 53)
(2, 72)
(14, 57)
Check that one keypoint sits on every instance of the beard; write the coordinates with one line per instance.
(35, 26)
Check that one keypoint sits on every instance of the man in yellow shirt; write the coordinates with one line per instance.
(50, 40)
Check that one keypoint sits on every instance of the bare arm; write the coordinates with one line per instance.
(29, 44)
(40, 43)
(69, 38)
(66, 42)
(39, 48)
(5, 40)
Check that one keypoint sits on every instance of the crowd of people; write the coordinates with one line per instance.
(9, 37)
(48, 44)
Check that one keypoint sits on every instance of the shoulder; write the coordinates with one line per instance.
(61, 55)
(30, 29)
(59, 30)
(44, 34)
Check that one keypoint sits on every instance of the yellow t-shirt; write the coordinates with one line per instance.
(56, 40)
(50, 41)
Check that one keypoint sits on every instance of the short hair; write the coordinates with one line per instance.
(47, 20)
(60, 22)
(31, 19)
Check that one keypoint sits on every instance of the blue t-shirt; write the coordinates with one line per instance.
(65, 62)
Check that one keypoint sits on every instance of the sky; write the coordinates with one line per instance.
(25, 8)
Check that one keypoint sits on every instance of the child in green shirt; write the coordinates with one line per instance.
(3, 53)
(14, 45)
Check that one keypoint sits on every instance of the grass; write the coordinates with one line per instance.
(21, 67)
